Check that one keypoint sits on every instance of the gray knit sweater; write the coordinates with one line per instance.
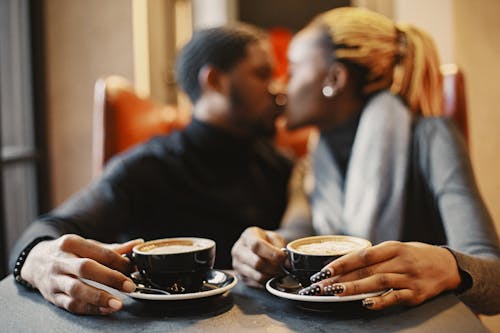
(444, 207)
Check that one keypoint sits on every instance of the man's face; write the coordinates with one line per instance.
(253, 107)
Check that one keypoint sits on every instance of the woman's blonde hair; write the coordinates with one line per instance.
(401, 57)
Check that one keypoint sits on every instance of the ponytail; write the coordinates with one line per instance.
(401, 58)
(417, 77)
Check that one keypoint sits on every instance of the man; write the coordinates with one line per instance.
(213, 180)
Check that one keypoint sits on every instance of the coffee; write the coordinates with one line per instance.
(328, 245)
(177, 265)
(309, 255)
(174, 246)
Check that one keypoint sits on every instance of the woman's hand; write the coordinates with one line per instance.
(414, 271)
(55, 268)
(257, 255)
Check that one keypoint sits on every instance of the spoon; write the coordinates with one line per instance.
(152, 291)
(138, 287)
(288, 284)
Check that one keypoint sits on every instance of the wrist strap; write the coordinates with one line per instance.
(22, 258)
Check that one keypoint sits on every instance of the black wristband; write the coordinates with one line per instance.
(22, 258)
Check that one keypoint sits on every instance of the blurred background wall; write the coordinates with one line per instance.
(84, 40)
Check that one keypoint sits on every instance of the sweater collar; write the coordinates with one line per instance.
(214, 140)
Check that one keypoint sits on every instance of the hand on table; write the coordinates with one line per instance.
(415, 272)
(257, 255)
(54, 268)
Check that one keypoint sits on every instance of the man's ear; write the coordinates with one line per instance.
(211, 78)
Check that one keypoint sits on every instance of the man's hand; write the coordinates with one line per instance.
(257, 255)
(55, 268)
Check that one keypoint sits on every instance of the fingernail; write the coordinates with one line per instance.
(368, 302)
(334, 289)
(115, 304)
(128, 286)
(310, 291)
(326, 273)
(104, 310)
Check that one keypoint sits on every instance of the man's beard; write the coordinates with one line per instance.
(254, 127)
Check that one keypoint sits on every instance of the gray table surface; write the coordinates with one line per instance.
(243, 309)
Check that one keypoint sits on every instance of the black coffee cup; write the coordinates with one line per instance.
(177, 265)
(310, 254)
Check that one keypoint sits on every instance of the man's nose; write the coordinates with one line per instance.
(278, 90)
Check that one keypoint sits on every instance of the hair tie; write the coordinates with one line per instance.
(401, 45)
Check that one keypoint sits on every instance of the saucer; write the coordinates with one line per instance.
(217, 282)
(277, 287)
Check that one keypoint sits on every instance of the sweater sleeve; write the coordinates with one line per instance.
(296, 221)
(484, 272)
(468, 226)
(97, 212)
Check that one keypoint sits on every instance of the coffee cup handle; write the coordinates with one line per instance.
(130, 256)
(282, 265)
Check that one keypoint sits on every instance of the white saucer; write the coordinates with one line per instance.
(271, 287)
(219, 282)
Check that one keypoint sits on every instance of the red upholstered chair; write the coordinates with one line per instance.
(122, 119)
(454, 101)
(293, 144)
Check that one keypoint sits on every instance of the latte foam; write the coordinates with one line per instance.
(169, 249)
(174, 245)
(331, 247)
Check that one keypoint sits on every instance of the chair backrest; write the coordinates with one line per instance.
(122, 119)
(454, 101)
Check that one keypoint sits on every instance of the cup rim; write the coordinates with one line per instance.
(364, 243)
(210, 244)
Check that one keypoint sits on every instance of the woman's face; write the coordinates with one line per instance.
(309, 67)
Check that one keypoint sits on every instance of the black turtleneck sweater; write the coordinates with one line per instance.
(197, 182)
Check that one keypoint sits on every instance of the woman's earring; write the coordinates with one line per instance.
(328, 91)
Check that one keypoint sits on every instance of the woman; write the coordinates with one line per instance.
(380, 170)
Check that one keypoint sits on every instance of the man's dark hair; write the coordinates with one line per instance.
(222, 47)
